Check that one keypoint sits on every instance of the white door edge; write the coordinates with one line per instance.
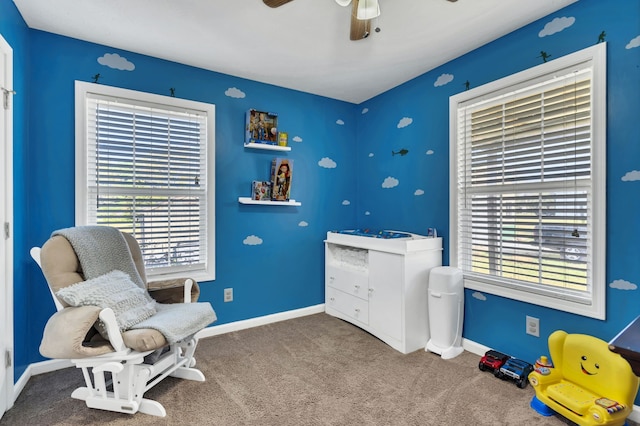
(6, 217)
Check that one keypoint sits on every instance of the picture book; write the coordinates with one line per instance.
(261, 190)
(261, 127)
(281, 174)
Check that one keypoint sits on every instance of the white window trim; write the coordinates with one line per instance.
(81, 197)
(597, 55)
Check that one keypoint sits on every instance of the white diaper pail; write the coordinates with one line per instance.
(446, 311)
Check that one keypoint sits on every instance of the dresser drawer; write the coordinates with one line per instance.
(347, 304)
(352, 282)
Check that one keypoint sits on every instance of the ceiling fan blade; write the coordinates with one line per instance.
(359, 28)
(275, 3)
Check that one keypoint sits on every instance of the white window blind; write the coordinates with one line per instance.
(147, 174)
(525, 184)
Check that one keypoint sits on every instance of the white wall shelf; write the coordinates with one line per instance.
(267, 147)
(248, 200)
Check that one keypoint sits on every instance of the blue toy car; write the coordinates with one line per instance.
(516, 370)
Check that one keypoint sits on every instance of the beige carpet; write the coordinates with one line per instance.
(315, 370)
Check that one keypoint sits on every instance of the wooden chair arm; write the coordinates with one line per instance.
(110, 322)
(173, 290)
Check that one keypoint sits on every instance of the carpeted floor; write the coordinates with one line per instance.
(314, 370)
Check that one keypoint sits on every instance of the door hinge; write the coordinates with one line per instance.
(5, 96)
(7, 230)
(7, 359)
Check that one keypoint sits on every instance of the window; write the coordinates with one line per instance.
(528, 184)
(145, 165)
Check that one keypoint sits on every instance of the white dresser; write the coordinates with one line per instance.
(381, 285)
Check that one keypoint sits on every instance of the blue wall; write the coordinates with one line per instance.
(424, 103)
(368, 187)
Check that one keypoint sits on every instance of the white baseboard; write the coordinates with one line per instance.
(473, 347)
(256, 322)
(38, 368)
(59, 364)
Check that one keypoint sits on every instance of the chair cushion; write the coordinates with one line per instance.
(179, 320)
(143, 340)
(575, 398)
(114, 290)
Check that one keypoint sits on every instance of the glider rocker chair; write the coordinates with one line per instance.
(588, 384)
(125, 334)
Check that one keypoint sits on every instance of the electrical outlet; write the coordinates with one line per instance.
(228, 295)
(533, 326)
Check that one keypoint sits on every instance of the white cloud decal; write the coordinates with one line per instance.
(367, 213)
(404, 122)
(631, 176)
(365, 110)
(327, 163)
(370, 154)
(419, 192)
(443, 79)
(557, 25)
(429, 152)
(390, 182)
(297, 139)
(234, 92)
(346, 202)
(113, 60)
(635, 42)
(479, 296)
(252, 240)
(623, 285)
(340, 122)
(302, 223)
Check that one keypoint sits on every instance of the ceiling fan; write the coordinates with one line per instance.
(362, 12)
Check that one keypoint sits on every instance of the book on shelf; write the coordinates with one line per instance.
(261, 190)
(281, 175)
(261, 127)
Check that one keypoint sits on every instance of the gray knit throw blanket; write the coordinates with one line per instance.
(101, 249)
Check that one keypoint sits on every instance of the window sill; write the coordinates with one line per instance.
(553, 302)
(197, 276)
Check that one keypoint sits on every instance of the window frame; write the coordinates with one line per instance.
(82, 195)
(596, 56)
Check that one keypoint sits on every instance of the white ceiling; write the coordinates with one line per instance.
(303, 45)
